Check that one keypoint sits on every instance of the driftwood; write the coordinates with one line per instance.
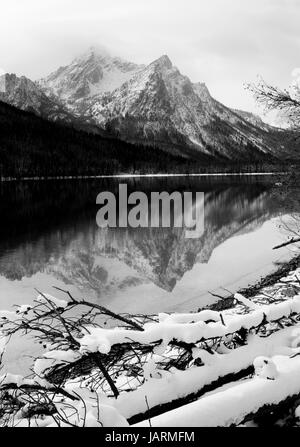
(57, 326)
(160, 409)
(294, 240)
(229, 301)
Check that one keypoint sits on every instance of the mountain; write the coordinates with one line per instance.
(254, 119)
(26, 95)
(33, 146)
(157, 105)
(93, 73)
(152, 105)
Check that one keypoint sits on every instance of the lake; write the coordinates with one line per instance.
(49, 237)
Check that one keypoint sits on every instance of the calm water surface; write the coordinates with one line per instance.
(49, 237)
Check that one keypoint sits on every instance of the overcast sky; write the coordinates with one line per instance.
(224, 43)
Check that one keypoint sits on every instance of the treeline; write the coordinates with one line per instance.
(31, 146)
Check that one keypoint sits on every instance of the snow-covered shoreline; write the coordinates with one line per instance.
(237, 361)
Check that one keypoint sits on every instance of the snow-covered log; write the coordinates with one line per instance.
(150, 365)
(99, 339)
(189, 383)
(231, 405)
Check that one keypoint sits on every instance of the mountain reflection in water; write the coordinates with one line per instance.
(49, 237)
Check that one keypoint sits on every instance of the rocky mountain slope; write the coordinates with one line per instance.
(150, 105)
(157, 105)
(254, 119)
(33, 146)
(26, 95)
(93, 73)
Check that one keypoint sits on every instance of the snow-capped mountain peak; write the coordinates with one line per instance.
(25, 94)
(92, 73)
(163, 62)
(202, 91)
(96, 50)
(155, 104)
(146, 104)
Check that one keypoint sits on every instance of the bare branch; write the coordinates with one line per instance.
(294, 240)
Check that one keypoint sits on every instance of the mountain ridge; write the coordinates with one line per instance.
(26, 95)
(158, 105)
(152, 104)
(31, 146)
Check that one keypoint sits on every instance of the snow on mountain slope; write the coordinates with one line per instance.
(154, 105)
(159, 105)
(92, 73)
(253, 119)
(26, 95)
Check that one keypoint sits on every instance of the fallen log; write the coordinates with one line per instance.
(231, 406)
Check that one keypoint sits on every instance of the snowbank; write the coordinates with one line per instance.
(231, 406)
(168, 329)
(180, 384)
